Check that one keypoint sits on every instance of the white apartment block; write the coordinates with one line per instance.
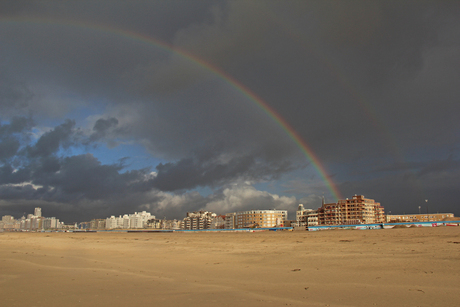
(32, 222)
(137, 220)
(125, 221)
(111, 222)
(38, 212)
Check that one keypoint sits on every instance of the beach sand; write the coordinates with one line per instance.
(391, 267)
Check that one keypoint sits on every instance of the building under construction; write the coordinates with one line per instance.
(358, 210)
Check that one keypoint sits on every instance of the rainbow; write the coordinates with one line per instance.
(238, 86)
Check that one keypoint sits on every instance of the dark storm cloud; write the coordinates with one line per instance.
(42, 173)
(386, 39)
(102, 125)
(75, 181)
(68, 47)
(370, 86)
(16, 125)
(73, 176)
(84, 176)
(367, 48)
(443, 166)
(8, 148)
(201, 172)
(103, 129)
(13, 94)
(157, 18)
(8, 8)
(11, 136)
(50, 142)
(10, 175)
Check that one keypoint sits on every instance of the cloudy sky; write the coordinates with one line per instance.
(111, 107)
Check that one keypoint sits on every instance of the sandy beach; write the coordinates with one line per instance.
(391, 267)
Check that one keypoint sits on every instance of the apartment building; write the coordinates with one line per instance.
(163, 224)
(139, 219)
(198, 220)
(310, 218)
(306, 217)
(98, 224)
(38, 212)
(8, 222)
(218, 222)
(358, 210)
(299, 215)
(111, 222)
(128, 221)
(50, 223)
(230, 220)
(260, 218)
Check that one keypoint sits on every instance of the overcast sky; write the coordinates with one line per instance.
(112, 107)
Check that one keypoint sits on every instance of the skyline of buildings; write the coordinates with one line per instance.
(32, 222)
(357, 210)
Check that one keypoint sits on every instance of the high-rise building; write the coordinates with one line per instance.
(38, 212)
(230, 220)
(299, 215)
(111, 222)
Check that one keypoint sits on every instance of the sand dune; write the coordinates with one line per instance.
(393, 267)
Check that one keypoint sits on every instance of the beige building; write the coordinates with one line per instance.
(97, 224)
(299, 215)
(432, 217)
(311, 218)
(358, 210)
(230, 220)
(306, 217)
(218, 222)
(260, 218)
(163, 224)
(198, 220)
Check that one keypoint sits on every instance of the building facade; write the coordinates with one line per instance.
(218, 222)
(38, 212)
(33, 222)
(260, 218)
(306, 217)
(358, 210)
(230, 220)
(198, 220)
(138, 220)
